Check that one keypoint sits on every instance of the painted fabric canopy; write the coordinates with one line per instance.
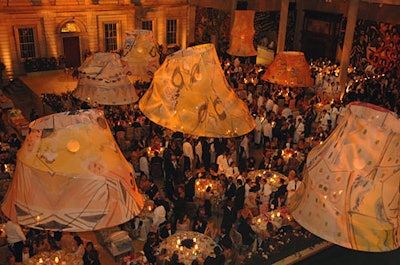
(289, 69)
(102, 81)
(140, 55)
(70, 175)
(350, 191)
(242, 34)
(190, 94)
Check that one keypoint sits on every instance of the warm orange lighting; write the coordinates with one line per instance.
(190, 94)
(350, 190)
(289, 69)
(140, 55)
(102, 81)
(242, 34)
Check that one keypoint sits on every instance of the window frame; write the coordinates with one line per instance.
(167, 32)
(19, 43)
(116, 37)
(148, 21)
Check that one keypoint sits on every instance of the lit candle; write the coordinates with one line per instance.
(194, 240)
(181, 248)
(278, 214)
(56, 259)
(178, 241)
(40, 260)
(196, 247)
(259, 220)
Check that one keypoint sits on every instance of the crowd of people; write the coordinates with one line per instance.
(26, 244)
(289, 123)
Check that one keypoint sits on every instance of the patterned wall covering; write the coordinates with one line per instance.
(266, 25)
(376, 44)
(211, 21)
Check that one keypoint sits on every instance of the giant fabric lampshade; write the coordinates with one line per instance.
(190, 94)
(140, 55)
(289, 69)
(102, 81)
(70, 175)
(350, 191)
(242, 34)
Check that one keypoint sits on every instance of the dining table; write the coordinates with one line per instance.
(189, 245)
(273, 177)
(56, 257)
(278, 218)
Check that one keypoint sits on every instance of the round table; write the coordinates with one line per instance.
(188, 245)
(278, 218)
(216, 189)
(55, 257)
(273, 178)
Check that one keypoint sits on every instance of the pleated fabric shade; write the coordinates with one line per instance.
(289, 69)
(190, 94)
(140, 55)
(350, 191)
(71, 176)
(242, 34)
(102, 80)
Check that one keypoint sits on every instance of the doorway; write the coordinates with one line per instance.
(72, 52)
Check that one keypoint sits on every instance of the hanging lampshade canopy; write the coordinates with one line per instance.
(190, 94)
(102, 81)
(350, 191)
(242, 34)
(289, 69)
(71, 176)
(140, 55)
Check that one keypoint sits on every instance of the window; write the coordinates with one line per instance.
(26, 43)
(171, 31)
(110, 32)
(147, 25)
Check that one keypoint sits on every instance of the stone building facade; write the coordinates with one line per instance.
(61, 33)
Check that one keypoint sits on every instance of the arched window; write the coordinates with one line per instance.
(70, 27)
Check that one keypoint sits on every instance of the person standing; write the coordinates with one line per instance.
(15, 239)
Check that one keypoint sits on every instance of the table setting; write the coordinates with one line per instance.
(61, 257)
(273, 178)
(188, 245)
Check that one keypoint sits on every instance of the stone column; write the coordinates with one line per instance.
(352, 14)
(299, 24)
(282, 26)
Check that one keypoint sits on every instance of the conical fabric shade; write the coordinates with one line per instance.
(70, 175)
(190, 94)
(289, 69)
(102, 81)
(242, 34)
(350, 191)
(140, 55)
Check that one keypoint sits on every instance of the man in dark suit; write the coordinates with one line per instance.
(152, 191)
(166, 230)
(230, 189)
(229, 217)
(189, 186)
(239, 196)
